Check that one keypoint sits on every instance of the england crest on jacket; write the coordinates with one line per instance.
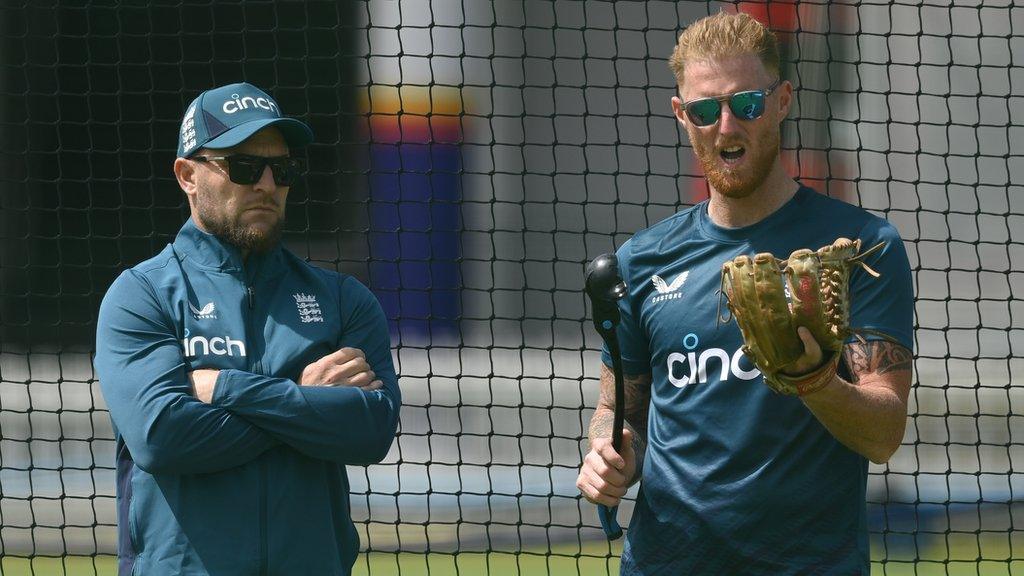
(308, 307)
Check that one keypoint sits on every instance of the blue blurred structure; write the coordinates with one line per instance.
(415, 194)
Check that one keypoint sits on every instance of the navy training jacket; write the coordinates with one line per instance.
(255, 482)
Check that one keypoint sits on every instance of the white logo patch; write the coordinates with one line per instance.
(309, 308)
(188, 130)
(668, 291)
(206, 313)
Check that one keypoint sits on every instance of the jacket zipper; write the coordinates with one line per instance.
(256, 363)
(257, 357)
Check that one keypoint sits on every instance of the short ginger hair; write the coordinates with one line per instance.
(725, 35)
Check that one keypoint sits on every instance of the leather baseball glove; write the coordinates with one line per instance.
(770, 298)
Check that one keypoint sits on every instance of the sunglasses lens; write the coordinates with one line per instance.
(704, 112)
(747, 105)
(245, 169)
(286, 170)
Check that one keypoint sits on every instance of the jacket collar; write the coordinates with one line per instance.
(208, 251)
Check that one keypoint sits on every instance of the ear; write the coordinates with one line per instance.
(785, 92)
(677, 109)
(186, 174)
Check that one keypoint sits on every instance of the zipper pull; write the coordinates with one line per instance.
(252, 295)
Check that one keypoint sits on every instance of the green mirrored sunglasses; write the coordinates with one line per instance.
(747, 105)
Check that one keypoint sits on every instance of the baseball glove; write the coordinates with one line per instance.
(770, 298)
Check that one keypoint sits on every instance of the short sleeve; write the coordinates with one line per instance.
(633, 341)
(884, 304)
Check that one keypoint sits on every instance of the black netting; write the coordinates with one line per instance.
(470, 157)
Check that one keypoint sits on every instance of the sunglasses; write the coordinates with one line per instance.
(245, 169)
(746, 105)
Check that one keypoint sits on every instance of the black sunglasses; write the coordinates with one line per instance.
(747, 105)
(247, 169)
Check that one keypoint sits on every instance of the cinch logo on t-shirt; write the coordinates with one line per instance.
(218, 346)
(692, 367)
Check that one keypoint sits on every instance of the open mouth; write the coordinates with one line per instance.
(732, 153)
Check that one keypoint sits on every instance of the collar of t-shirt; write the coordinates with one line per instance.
(791, 209)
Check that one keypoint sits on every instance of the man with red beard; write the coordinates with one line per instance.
(737, 479)
(241, 380)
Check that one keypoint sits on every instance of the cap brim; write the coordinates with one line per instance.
(295, 133)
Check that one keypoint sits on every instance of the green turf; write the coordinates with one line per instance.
(562, 561)
(69, 566)
(941, 557)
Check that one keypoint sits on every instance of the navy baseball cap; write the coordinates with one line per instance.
(224, 117)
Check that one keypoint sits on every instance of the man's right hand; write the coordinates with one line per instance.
(346, 367)
(605, 474)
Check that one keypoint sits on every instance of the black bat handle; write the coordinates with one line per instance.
(620, 389)
(608, 515)
(605, 287)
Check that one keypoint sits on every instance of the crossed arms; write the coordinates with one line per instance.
(168, 429)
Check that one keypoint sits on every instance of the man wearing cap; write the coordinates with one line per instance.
(240, 379)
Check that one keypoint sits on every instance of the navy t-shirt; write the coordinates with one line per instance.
(739, 479)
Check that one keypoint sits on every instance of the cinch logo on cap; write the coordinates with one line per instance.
(237, 103)
(226, 116)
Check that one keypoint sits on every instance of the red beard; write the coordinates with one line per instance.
(743, 181)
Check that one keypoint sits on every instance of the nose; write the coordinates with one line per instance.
(728, 123)
(266, 182)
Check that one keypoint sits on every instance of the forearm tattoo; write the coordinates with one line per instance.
(638, 401)
(876, 357)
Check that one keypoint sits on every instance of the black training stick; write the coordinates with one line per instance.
(605, 287)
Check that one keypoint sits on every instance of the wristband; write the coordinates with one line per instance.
(809, 383)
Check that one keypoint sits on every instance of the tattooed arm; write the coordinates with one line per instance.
(606, 475)
(869, 414)
(638, 402)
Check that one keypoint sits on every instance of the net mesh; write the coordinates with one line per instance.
(470, 158)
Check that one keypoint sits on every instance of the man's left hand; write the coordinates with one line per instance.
(344, 367)
(811, 358)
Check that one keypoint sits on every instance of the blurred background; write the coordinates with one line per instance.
(470, 158)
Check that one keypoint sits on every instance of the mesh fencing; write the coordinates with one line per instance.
(470, 158)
